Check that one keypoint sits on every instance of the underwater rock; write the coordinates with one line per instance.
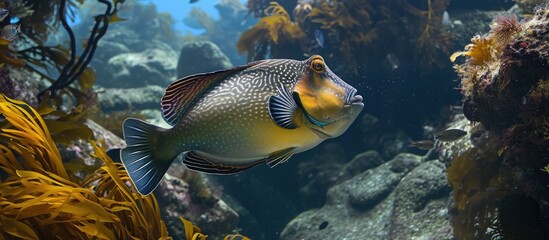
(120, 99)
(422, 194)
(78, 155)
(201, 57)
(370, 187)
(320, 173)
(528, 6)
(18, 83)
(367, 206)
(155, 66)
(176, 199)
(106, 50)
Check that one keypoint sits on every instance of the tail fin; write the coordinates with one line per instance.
(141, 157)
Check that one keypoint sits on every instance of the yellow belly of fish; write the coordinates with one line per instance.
(275, 138)
(259, 140)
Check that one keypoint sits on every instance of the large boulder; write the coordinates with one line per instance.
(384, 202)
(200, 57)
(155, 66)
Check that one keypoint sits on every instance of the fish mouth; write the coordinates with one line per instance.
(355, 100)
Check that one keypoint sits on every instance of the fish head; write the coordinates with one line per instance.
(329, 104)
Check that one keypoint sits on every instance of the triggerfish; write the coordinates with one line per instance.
(231, 120)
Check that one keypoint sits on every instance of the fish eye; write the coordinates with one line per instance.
(318, 65)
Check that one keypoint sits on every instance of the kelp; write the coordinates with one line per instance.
(38, 20)
(348, 26)
(353, 30)
(434, 41)
(77, 67)
(271, 30)
(479, 182)
(38, 201)
(193, 232)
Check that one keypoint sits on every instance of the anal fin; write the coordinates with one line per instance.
(279, 157)
(198, 162)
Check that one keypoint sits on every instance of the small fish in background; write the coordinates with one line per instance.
(3, 14)
(392, 61)
(423, 144)
(319, 37)
(446, 19)
(450, 135)
(193, 1)
(231, 120)
(9, 32)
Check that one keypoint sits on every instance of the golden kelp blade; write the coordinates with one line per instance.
(38, 201)
(28, 136)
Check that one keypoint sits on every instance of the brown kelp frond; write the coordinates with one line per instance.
(62, 127)
(38, 201)
(24, 134)
(192, 232)
(434, 40)
(38, 20)
(348, 26)
(478, 182)
(236, 237)
(140, 215)
(77, 66)
(274, 26)
(481, 51)
(330, 15)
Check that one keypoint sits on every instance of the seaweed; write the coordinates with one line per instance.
(77, 67)
(103, 206)
(354, 30)
(434, 41)
(275, 30)
(39, 19)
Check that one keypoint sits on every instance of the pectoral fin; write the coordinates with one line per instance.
(198, 162)
(279, 157)
(282, 108)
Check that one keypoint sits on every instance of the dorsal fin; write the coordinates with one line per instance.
(183, 93)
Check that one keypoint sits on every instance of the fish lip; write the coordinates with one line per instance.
(355, 100)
